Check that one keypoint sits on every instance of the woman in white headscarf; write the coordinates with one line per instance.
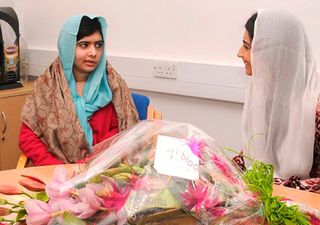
(280, 108)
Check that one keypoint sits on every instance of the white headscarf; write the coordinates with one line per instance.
(282, 95)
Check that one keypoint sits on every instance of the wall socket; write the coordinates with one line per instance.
(165, 69)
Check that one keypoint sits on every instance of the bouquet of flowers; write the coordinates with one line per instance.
(157, 172)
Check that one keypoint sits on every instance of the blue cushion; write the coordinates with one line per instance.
(141, 102)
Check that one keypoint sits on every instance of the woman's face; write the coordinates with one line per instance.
(88, 54)
(245, 52)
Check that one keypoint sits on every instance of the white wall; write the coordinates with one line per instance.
(7, 3)
(203, 30)
(219, 119)
(203, 33)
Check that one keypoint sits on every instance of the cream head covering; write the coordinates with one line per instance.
(282, 95)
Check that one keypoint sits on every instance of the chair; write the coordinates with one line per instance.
(142, 103)
(145, 111)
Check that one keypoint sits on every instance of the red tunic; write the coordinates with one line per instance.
(103, 122)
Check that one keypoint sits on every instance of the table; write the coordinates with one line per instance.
(308, 198)
(45, 174)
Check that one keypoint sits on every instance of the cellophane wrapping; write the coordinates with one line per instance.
(124, 181)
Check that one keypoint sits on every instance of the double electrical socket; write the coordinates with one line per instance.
(165, 69)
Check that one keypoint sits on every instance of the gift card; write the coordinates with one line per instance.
(175, 158)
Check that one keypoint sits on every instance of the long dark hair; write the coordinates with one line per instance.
(250, 25)
(88, 26)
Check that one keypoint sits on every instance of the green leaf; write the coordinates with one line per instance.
(259, 179)
(138, 169)
(42, 196)
(95, 179)
(69, 219)
(21, 214)
(81, 185)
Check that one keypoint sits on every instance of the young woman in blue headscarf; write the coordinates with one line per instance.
(79, 101)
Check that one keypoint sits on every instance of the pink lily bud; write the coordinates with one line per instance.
(33, 178)
(32, 185)
(4, 211)
(10, 190)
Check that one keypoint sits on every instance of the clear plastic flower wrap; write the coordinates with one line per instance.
(161, 172)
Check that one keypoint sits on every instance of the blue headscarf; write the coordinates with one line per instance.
(97, 93)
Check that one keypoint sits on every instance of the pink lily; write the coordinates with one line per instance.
(197, 197)
(194, 195)
(196, 146)
(212, 205)
(114, 196)
(53, 188)
(82, 210)
(224, 168)
(89, 202)
(89, 195)
(85, 204)
(62, 204)
(38, 212)
(7, 189)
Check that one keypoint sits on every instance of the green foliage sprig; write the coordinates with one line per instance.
(259, 179)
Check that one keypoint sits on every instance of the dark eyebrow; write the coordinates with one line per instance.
(246, 43)
(86, 42)
(82, 42)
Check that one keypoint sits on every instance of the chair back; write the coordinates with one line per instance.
(141, 102)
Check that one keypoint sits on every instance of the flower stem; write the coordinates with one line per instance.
(236, 152)
(30, 196)
(9, 203)
(2, 219)
(12, 211)
(250, 140)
